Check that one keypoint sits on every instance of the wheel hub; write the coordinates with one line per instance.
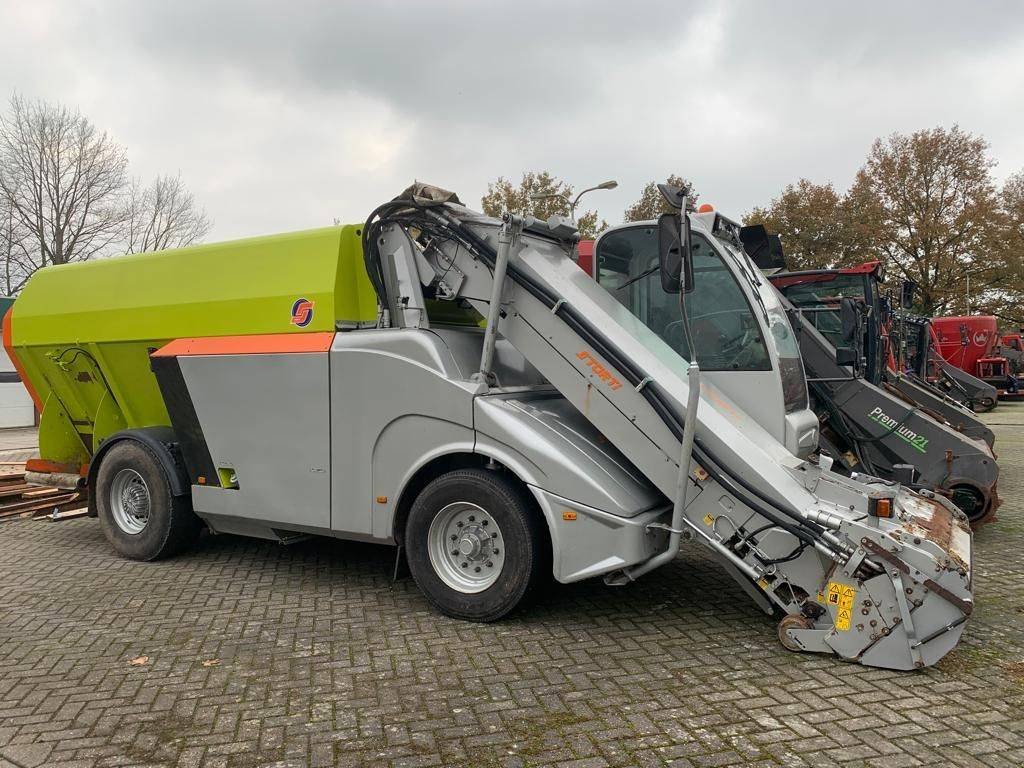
(471, 545)
(466, 547)
(129, 501)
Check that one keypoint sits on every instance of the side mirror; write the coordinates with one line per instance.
(846, 356)
(907, 288)
(674, 262)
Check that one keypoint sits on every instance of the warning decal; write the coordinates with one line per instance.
(842, 596)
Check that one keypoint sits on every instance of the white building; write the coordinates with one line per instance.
(16, 407)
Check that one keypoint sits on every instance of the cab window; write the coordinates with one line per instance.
(725, 330)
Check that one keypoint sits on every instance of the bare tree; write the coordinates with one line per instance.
(12, 250)
(163, 215)
(63, 182)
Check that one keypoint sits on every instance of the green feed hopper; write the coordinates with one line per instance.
(81, 334)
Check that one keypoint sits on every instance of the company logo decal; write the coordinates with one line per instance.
(916, 441)
(302, 312)
(599, 370)
(981, 338)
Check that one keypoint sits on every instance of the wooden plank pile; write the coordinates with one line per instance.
(19, 500)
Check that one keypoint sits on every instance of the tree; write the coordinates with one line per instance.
(503, 196)
(12, 250)
(931, 201)
(1005, 299)
(817, 226)
(163, 215)
(62, 180)
(651, 203)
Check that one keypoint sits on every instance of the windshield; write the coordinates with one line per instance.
(791, 366)
(725, 331)
(819, 296)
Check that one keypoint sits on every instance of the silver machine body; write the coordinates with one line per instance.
(334, 442)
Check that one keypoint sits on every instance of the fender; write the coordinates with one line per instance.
(597, 507)
(161, 442)
(548, 443)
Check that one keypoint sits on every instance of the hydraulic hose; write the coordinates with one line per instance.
(806, 530)
(788, 519)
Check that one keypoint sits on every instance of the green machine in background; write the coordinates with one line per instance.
(81, 334)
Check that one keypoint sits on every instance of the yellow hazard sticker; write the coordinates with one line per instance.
(709, 520)
(762, 583)
(843, 619)
(842, 596)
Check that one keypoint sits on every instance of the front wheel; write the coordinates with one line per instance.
(138, 513)
(475, 547)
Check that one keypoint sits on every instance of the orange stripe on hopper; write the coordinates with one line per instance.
(264, 344)
(9, 346)
(53, 467)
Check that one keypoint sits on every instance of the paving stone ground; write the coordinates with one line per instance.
(18, 443)
(263, 655)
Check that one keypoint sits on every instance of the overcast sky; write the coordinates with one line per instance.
(286, 115)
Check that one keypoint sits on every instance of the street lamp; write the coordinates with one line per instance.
(610, 184)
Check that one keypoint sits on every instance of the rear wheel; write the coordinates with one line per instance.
(138, 513)
(475, 546)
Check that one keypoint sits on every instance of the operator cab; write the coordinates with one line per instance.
(740, 333)
(819, 293)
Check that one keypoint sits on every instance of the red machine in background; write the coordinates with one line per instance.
(973, 344)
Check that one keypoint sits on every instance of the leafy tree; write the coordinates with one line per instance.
(503, 195)
(926, 205)
(651, 204)
(930, 200)
(1005, 298)
(817, 226)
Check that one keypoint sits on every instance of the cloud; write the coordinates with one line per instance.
(283, 117)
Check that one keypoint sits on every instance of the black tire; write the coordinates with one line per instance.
(171, 526)
(527, 554)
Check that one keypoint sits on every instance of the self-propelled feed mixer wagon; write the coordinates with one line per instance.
(456, 385)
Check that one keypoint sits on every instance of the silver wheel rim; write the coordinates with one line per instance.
(466, 547)
(129, 501)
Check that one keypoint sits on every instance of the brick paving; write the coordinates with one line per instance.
(264, 655)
